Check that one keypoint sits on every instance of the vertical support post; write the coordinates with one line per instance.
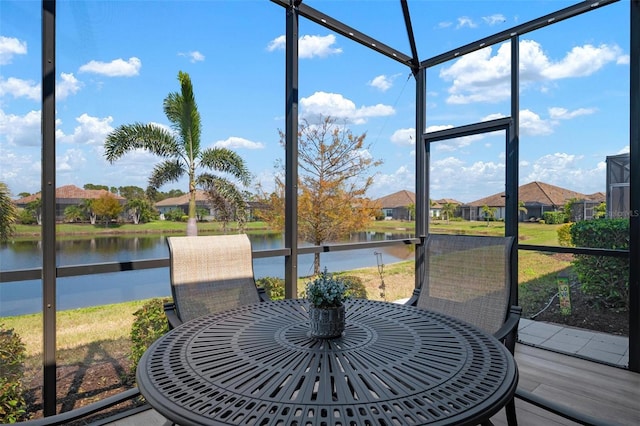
(48, 191)
(512, 164)
(422, 176)
(291, 155)
(634, 190)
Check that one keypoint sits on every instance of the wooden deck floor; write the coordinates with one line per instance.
(609, 393)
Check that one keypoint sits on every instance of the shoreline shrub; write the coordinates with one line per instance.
(605, 278)
(149, 325)
(13, 407)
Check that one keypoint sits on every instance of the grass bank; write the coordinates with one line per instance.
(155, 227)
(529, 233)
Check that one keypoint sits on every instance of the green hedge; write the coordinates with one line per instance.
(149, 325)
(274, 287)
(554, 218)
(13, 407)
(604, 278)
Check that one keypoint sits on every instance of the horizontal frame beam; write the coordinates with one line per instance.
(518, 30)
(349, 32)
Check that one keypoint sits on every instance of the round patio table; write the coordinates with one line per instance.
(394, 365)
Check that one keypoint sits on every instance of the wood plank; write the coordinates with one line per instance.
(596, 389)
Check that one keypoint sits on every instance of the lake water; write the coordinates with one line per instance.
(18, 298)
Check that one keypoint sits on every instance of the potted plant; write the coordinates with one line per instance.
(326, 295)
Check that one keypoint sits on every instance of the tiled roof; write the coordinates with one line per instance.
(397, 199)
(70, 192)
(538, 193)
(438, 204)
(181, 200)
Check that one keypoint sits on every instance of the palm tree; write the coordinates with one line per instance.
(448, 210)
(522, 208)
(181, 151)
(8, 213)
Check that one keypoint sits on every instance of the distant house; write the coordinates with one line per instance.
(182, 203)
(396, 205)
(69, 195)
(202, 202)
(538, 197)
(435, 210)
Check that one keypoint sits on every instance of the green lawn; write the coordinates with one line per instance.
(530, 233)
(159, 227)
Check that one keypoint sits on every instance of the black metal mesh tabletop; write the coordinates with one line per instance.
(394, 365)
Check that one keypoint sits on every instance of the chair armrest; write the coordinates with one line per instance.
(262, 294)
(413, 300)
(172, 315)
(509, 331)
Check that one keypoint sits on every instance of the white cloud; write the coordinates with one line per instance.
(19, 88)
(624, 150)
(21, 172)
(136, 165)
(235, 142)
(568, 171)
(623, 60)
(20, 130)
(115, 68)
(309, 46)
(404, 137)
(465, 21)
(532, 124)
(71, 161)
(582, 61)
(385, 184)
(557, 113)
(9, 47)
(66, 86)
(193, 56)
(451, 177)
(444, 24)
(494, 19)
(382, 82)
(481, 76)
(337, 106)
(90, 131)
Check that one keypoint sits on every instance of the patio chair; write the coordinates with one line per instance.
(469, 277)
(210, 274)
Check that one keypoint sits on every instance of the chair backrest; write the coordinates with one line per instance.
(210, 274)
(469, 277)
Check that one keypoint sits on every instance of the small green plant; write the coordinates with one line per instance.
(554, 218)
(12, 356)
(174, 215)
(355, 287)
(564, 235)
(326, 291)
(274, 287)
(150, 324)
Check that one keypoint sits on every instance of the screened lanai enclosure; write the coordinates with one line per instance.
(446, 152)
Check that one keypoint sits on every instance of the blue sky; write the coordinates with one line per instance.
(117, 60)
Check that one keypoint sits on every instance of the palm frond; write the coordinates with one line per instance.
(167, 171)
(182, 111)
(221, 190)
(226, 161)
(150, 137)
